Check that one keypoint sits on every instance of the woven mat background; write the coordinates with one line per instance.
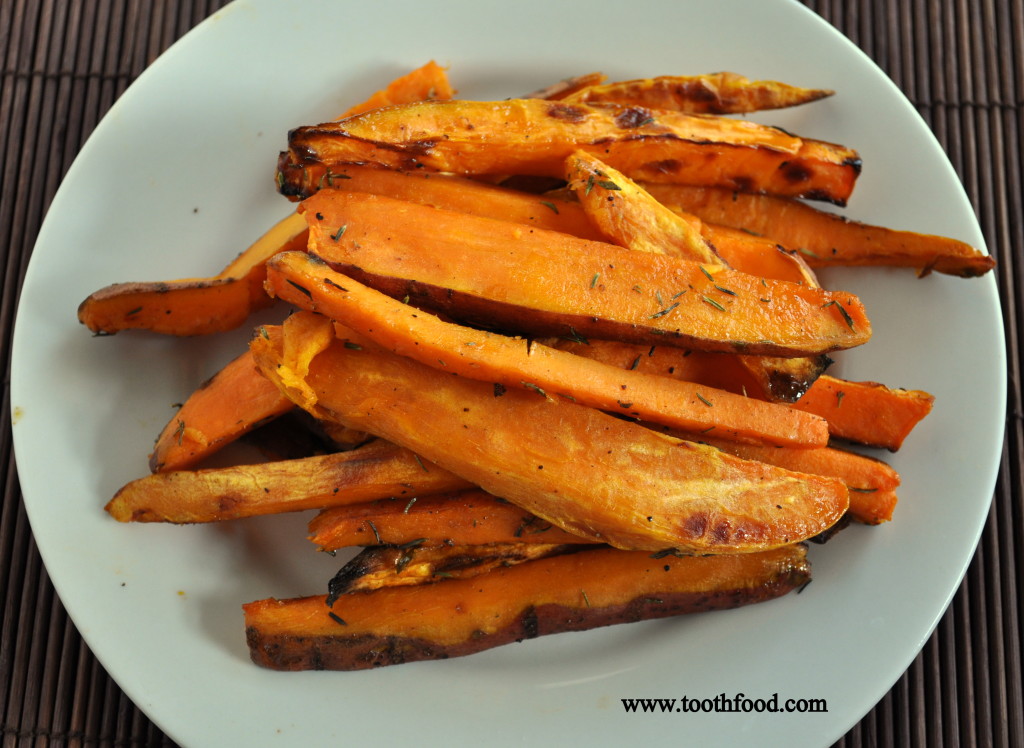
(961, 62)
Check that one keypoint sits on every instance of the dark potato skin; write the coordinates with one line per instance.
(537, 598)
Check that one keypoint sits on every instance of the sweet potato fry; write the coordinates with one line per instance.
(867, 412)
(533, 137)
(457, 617)
(233, 402)
(823, 238)
(713, 93)
(381, 567)
(629, 217)
(465, 517)
(304, 281)
(375, 470)
(182, 307)
(498, 274)
(589, 473)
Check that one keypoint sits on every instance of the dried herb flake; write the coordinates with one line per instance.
(665, 311)
(535, 388)
(712, 302)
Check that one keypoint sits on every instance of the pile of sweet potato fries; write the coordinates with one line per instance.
(561, 360)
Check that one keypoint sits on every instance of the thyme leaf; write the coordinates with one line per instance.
(665, 311)
(712, 302)
(535, 388)
(846, 315)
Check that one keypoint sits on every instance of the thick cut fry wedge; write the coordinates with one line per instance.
(385, 567)
(826, 239)
(713, 93)
(533, 137)
(499, 274)
(304, 281)
(867, 412)
(461, 616)
(376, 470)
(425, 83)
(466, 517)
(631, 217)
(589, 473)
(231, 403)
(445, 191)
(183, 307)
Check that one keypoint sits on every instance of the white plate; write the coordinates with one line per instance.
(179, 176)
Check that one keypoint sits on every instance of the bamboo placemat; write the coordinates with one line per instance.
(961, 63)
